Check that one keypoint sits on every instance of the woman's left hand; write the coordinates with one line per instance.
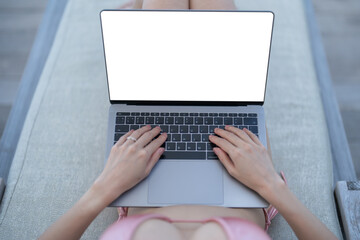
(130, 161)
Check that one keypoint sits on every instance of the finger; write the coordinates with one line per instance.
(151, 147)
(138, 133)
(240, 133)
(231, 137)
(123, 138)
(224, 159)
(154, 159)
(252, 136)
(222, 143)
(148, 136)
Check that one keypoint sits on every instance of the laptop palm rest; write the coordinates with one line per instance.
(201, 182)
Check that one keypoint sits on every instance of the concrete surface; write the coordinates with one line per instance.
(339, 23)
(19, 20)
(71, 103)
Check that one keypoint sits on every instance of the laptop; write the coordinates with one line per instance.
(187, 71)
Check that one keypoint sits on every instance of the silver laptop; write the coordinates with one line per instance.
(188, 72)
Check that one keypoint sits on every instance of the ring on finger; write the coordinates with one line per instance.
(131, 138)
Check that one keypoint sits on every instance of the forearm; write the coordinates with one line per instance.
(73, 224)
(301, 220)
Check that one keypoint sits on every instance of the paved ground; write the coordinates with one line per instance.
(19, 20)
(339, 22)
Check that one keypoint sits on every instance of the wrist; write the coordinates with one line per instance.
(104, 192)
(93, 200)
(273, 190)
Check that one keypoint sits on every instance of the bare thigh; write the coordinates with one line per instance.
(165, 4)
(213, 4)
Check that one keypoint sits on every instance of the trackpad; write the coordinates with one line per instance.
(179, 182)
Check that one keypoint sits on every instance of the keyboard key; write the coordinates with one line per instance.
(174, 129)
(205, 137)
(223, 114)
(130, 120)
(199, 120)
(176, 137)
(144, 114)
(164, 128)
(154, 114)
(149, 120)
(135, 114)
(122, 128)
(183, 155)
(211, 129)
(169, 120)
(213, 114)
(190, 146)
(238, 121)
(170, 146)
(253, 129)
(211, 156)
(208, 121)
(186, 137)
(210, 146)
(204, 114)
(242, 115)
(120, 120)
(159, 120)
(218, 121)
(194, 129)
(252, 115)
(117, 136)
(194, 114)
(228, 121)
(204, 129)
(174, 114)
(179, 120)
(134, 127)
(242, 127)
(164, 114)
(184, 114)
(201, 146)
(189, 120)
(232, 114)
(250, 121)
(122, 114)
(184, 129)
(180, 146)
(221, 126)
(196, 137)
(140, 120)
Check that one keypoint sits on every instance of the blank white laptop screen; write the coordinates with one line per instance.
(187, 55)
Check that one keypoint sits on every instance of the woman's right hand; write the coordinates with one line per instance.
(245, 158)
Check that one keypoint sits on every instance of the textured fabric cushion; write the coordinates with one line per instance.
(62, 146)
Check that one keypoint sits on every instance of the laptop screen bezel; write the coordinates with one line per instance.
(186, 103)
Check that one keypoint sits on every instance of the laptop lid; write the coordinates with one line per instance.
(183, 56)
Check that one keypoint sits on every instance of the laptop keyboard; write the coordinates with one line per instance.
(188, 133)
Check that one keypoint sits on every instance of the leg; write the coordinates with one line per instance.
(165, 4)
(213, 4)
(138, 4)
